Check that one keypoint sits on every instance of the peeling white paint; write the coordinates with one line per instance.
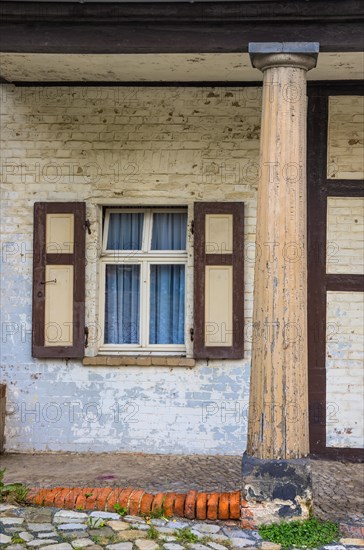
(151, 146)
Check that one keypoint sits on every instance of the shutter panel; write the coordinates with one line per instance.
(219, 280)
(58, 280)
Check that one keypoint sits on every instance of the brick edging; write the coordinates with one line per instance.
(191, 505)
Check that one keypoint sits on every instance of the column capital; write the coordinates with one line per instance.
(266, 55)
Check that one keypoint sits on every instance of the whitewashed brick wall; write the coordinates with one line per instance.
(345, 254)
(344, 375)
(345, 158)
(345, 325)
(121, 146)
(111, 145)
(345, 232)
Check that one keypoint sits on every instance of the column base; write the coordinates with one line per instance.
(275, 490)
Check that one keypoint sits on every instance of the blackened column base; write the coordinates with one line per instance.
(275, 490)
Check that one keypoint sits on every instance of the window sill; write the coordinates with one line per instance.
(138, 361)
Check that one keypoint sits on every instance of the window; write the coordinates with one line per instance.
(142, 280)
(143, 269)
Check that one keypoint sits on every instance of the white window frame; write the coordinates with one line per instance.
(145, 258)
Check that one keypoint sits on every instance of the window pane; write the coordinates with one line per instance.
(125, 231)
(167, 304)
(122, 304)
(169, 231)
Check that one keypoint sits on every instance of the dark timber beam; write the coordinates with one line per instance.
(177, 27)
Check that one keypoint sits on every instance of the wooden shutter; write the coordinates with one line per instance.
(219, 280)
(58, 279)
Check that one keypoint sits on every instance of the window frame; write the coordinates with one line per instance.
(145, 258)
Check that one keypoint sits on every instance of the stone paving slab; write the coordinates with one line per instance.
(131, 537)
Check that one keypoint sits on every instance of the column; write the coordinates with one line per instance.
(278, 406)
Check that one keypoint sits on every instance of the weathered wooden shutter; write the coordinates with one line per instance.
(58, 279)
(219, 280)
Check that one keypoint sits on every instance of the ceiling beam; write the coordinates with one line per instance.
(177, 27)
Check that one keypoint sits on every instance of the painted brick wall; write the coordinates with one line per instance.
(345, 139)
(140, 146)
(344, 375)
(345, 325)
(121, 146)
(345, 230)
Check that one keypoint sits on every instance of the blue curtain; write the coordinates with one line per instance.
(125, 231)
(169, 231)
(122, 304)
(167, 304)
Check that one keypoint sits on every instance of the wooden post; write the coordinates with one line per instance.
(278, 410)
(2, 415)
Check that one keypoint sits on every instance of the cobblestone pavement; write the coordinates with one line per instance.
(154, 473)
(55, 529)
(338, 487)
(338, 490)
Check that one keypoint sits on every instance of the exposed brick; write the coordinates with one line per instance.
(179, 505)
(247, 524)
(146, 504)
(82, 498)
(70, 499)
(39, 497)
(113, 499)
(51, 495)
(190, 505)
(247, 519)
(246, 511)
(103, 497)
(124, 497)
(212, 505)
(92, 500)
(60, 498)
(201, 506)
(168, 504)
(134, 501)
(352, 530)
(32, 493)
(158, 502)
(234, 505)
(244, 503)
(223, 511)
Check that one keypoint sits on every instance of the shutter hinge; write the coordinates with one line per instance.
(46, 282)
(192, 227)
(88, 226)
(86, 337)
(192, 334)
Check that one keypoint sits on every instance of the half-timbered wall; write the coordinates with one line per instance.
(157, 146)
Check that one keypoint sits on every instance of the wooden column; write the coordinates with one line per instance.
(278, 411)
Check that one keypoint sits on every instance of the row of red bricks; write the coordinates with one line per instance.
(352, 529)
(193, 505)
